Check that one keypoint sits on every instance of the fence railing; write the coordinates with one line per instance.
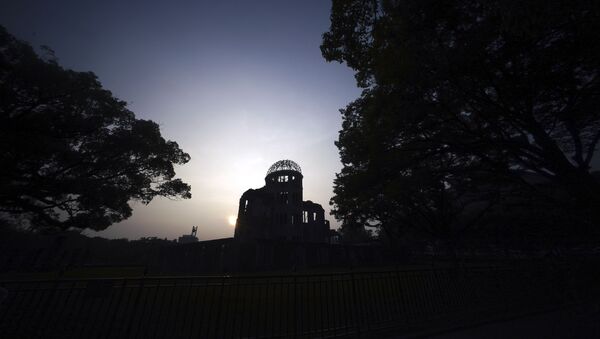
(301, 305)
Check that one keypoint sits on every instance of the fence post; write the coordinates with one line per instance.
(296, 317)
(220, 307)
(136, 307)
(355, 303)
(113, 318)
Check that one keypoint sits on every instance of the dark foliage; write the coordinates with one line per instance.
(463, 103)
(72, 155)
(354, 233)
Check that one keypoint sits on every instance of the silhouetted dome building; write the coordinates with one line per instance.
(277, 211)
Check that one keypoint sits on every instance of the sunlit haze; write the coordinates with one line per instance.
(238, 84)
(231, 220)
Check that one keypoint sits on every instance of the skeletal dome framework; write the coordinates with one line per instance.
(284, 165)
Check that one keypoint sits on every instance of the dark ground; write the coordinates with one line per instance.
(572, 323)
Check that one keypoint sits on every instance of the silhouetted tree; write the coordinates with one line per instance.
(463, 95)
(354, 233)
(72, 155)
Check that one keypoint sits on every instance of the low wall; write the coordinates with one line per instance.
(165, 257)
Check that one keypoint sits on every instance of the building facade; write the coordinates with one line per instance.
(277, 210)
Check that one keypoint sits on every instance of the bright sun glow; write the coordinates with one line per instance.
(232, 219)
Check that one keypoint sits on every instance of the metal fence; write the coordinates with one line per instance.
(350, 304)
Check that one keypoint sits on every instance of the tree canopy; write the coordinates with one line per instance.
(71, 154)
(461, 98)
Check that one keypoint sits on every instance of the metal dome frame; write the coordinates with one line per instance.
(284, 165)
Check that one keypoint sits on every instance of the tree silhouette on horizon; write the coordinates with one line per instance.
(72, 155)
(461, 99)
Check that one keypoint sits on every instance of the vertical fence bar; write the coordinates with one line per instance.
(140, 289)
(438, 289)
(7, 304)
(401, 301)
(386, 296)
(284, 306)
(170, 314)
(394, 289)
(52, 317)
(379, 296)
(237, 309)
(103, 299)
(355, 305)
(116, 309)
(332, 309)
(28, 301)
(130, 305)
(265, 301)
(344, 300)
(210, 301)
(296, 315)
(204, 305)
(373, 299)
(79, 308)
(146, 296)
(222, 309)
(320, 301)
(412, 292)
(186, 313)
(60, 316)
(428, 295)
(152, 310)
(244, 330)
(227, 306)
(258, 304)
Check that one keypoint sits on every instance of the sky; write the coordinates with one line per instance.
(237, 84)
